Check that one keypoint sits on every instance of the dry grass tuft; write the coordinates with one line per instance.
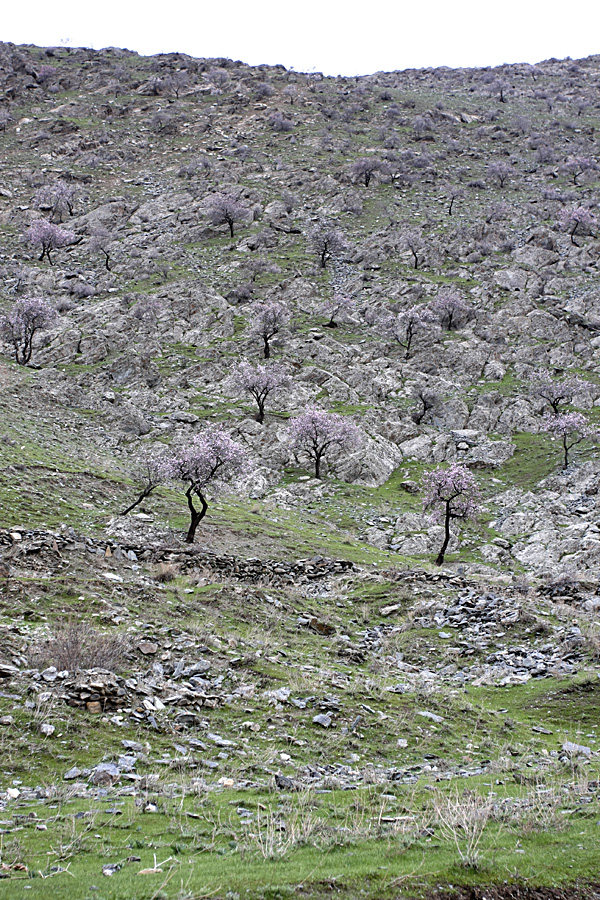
(77, 645)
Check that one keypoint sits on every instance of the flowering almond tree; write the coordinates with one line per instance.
(260, 382)
(404, 326)
(224, 209)
(59, 198)
(22, 323)
(450, 309)
(339, 303)
(327, 243)
(572, 428)
(152, 469)
(268, 321)
(211, 463)
(317, 434)
(577, 220)
(556, 392)
(49, 237)
(450, 493)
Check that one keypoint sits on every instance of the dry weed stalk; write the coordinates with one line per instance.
(77, 645)
(462, 820)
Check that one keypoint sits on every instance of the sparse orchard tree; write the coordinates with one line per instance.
(451, 309)
(177, 82)
(574, 166)
(317, 434)
(49, 237)
(450, 493)
(426, 399)
(269, 320)
(413, 240)
(58, 198)
(163, 122)
(23, 322)
(210, 464)
(572, 428)
(259, 265)
(404, 326)
(339, 303)
(502, 171)
(260, 382)
(577, 220)
(453, 193)
(223, 209)
(364, 169)
(279, 122)
(558, 392)
(151, 469)
(327, 243)
(101, 241)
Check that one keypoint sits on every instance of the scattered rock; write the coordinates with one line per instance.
(322, 719)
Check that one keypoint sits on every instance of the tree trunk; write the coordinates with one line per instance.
(230, 228)
(442, 553)
(145, 493)
(267, 348)
(196, 516)
(260, 418)
(318, 465)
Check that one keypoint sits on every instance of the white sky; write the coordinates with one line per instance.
(347, 37)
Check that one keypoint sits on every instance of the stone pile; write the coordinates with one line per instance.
(96, 691)
(190, 559)
(101, 691)
(470, 611)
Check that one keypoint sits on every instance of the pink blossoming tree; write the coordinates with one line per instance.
(572, 428)
(269, 320)
(317, 434)
(49, 237)
(405, 326)
(451, 309)
(223, 209)
(260, 382)
(558, 392)
(339, 303)
(23, 322)
(151, 469)
(577, 220)
(450, 494)
(210, 463)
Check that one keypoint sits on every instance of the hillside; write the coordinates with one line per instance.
(299, 701)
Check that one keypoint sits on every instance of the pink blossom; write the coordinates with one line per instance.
(572, 428)
(450, 493)
(269, 320)
(213, 460)
(558, 391)
(404, 326)
(317, 434)
(224, 209)
(49, 237)
(260, 381)
(22, 323)
(450, 309)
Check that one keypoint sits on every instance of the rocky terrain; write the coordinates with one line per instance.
(300, 701)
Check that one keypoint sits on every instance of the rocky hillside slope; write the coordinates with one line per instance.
(415, 252)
